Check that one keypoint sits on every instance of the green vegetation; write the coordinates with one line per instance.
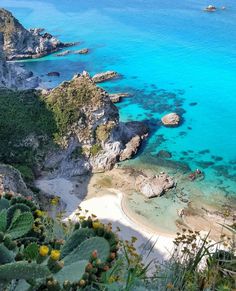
(95, 149)
(103, 131)
(41, 253)
(46, 254)
(66, 100)
(22, 114)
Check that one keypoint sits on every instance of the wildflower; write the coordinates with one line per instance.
(43, 251)
(39, 213)
(55, 255)
(55, 201)
(169, 286)
(97, 224)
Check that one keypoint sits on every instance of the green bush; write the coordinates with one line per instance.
(95, 149)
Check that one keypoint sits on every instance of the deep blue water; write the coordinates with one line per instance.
(171, 54)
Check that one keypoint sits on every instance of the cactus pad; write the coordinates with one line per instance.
(23, 270)
(85, 249)
(77, 237)
(21, 226)
(72, 272)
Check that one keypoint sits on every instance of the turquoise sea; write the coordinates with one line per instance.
(173, 57)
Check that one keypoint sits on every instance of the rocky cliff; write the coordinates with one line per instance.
(91, 134)
(20, 43)
(14, 76)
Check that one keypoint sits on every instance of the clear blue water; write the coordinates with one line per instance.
(170, 54)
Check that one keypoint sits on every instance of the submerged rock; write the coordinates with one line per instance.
(67, 52)
(171, 119)
(164, 154)
(154, 186)
(102, 77)
(53, 74)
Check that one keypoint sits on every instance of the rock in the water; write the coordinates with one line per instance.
(154, 186)
(82, 51)
(116, 97)
(164, 154)
(171, 119)
(67, 52)
(53, 74)
(20, 43)
(102, 77)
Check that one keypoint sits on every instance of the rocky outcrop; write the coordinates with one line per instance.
(62, 54)
(13, 75)
(82, 51)
(116, 97)
(154, 186)
(11, 181)
(102, 77)
(96, 140)
(20, 43)
(171, 119)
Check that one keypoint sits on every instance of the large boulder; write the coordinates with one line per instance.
(154, 186)
(171, 119)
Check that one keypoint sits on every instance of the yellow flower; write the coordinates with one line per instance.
(55, 255)
(39, 212)
(43, 251)
(55, 201)
(97, 224)
(169, 286)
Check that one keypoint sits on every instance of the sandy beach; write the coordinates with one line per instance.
(106, 195)
(109, 208)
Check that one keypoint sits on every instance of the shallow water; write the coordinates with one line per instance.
(173, 57)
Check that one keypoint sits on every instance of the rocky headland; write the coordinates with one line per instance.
(20, 43)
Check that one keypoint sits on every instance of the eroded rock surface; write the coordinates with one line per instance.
(171, 119)
(154, 186)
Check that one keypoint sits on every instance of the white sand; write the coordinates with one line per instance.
(108, 208)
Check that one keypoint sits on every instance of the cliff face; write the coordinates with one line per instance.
(12, 75)
(20, 43)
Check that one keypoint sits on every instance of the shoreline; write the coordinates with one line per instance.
(110, 207)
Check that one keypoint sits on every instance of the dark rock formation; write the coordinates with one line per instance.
(53, 74)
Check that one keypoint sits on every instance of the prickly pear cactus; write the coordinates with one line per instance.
(72, 272)
(86, 248)
(21, 225)
(11, 211)
(77, 237)
(23, 270)
(4, 203)
(6, 256)
(3, 220)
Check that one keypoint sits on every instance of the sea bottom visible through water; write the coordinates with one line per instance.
(172, 57)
